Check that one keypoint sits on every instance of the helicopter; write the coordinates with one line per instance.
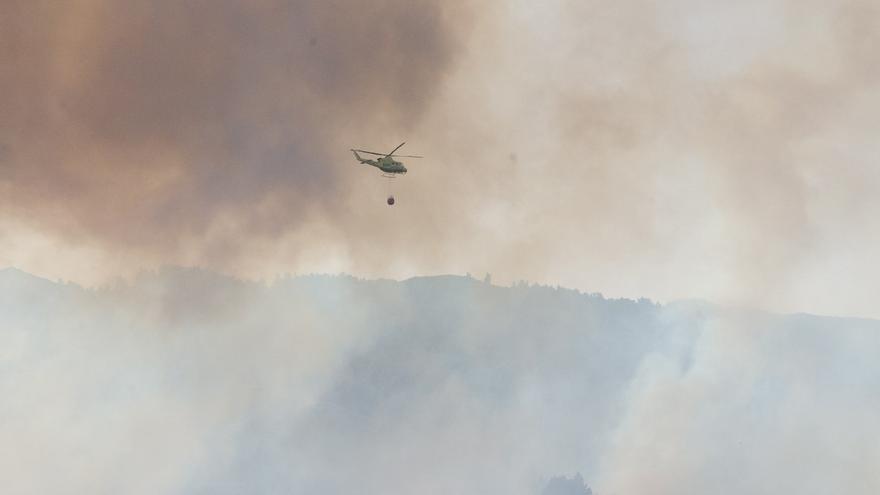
(386, 163)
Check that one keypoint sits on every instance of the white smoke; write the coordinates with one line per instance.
(189, 382)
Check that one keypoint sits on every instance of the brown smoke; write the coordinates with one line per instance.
(683, 149)
(144, 123)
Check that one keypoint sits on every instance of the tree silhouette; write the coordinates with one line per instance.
(560, 485)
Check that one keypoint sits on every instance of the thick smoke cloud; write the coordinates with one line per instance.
(766, 405)
(146, 124)
(722, 149)
(190, 382)
(683, 149)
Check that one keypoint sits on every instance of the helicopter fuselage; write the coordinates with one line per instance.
(387, 165)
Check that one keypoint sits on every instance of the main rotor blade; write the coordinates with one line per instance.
(406, 156)
(395, 149)
(369, 152)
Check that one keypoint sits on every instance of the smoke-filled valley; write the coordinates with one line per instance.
(187, 381)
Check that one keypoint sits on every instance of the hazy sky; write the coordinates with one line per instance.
(662, 149)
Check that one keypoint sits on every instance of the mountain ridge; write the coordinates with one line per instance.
(335, 384)
(168, 273)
